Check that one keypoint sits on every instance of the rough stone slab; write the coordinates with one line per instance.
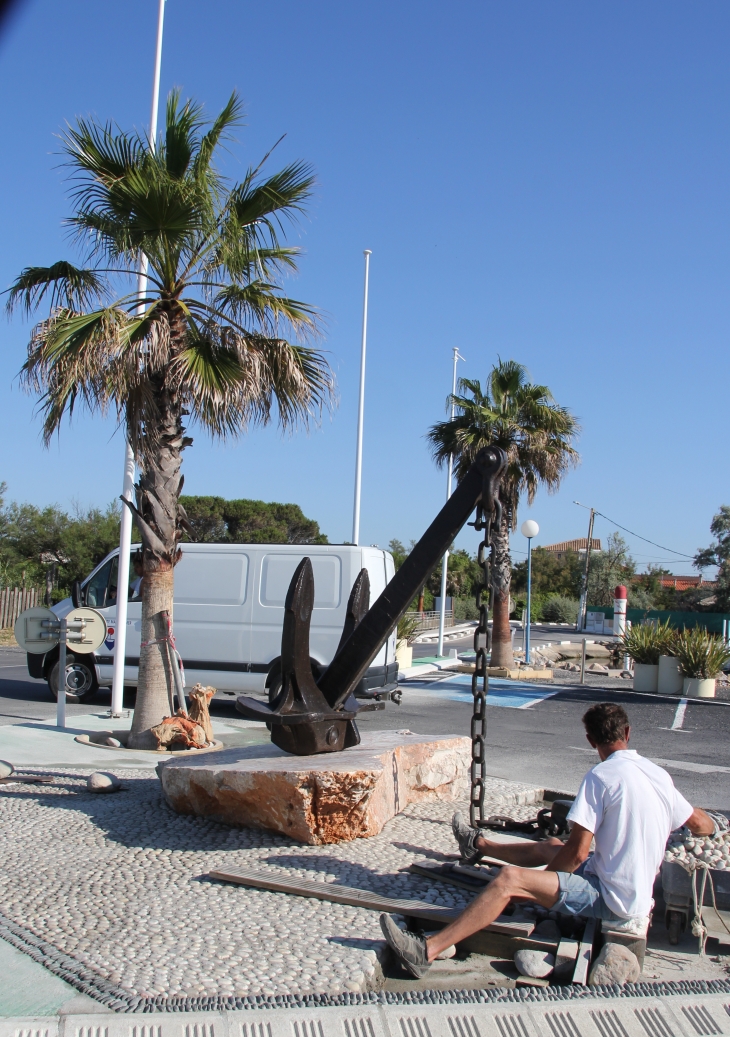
(329, 798)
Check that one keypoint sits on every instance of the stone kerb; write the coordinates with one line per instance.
(329, 798)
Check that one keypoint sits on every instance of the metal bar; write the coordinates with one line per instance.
(583, 663)
(61, 702)
(355, 655)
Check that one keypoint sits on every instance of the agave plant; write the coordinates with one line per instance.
(645, 642)
(406, 629)
(700, 654)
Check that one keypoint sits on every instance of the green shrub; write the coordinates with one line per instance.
(465, 610)
(645, 642)
(700, 654)
(558, 609)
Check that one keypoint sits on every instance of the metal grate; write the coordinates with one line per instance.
(562, 1024)
(308, 1028)
(255, 1029)
(414, 1026)
(359, 1027)
(511, 1026)
(463, 1026)
(701, 1020)
(654, 1022)
(608, 1024)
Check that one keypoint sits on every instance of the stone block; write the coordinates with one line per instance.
(329, 798)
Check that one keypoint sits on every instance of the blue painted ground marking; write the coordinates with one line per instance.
(510, 694)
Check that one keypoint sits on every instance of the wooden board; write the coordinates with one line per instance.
(714, 921)
(474, 879)
(585, 950)
(565, 958)
(337, 894)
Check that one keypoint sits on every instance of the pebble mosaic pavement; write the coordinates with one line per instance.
(114, 888)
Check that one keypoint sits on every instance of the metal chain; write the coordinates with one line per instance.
(480, 680)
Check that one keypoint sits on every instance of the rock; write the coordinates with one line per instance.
(615, 964)
(597, 668)
(328, 798)
(537, 964)
(627, 675)
(102, 781)
(83, 738)
(548, 930)
(113, 742)
(6, 769)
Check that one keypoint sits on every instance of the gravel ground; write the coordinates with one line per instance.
(117, 884)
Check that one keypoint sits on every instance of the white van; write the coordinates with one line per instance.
(228, 617)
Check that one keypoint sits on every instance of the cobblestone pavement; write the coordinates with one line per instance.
(118, 885)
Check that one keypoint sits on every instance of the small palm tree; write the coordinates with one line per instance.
(537, 436)
(206, 335)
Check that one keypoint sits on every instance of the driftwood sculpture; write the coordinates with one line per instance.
(179, 731)
(198, 709)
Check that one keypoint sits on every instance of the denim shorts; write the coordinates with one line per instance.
(581, 895)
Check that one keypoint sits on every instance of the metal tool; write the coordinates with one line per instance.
(311, 715)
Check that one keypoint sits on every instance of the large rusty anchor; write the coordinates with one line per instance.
(311, 715)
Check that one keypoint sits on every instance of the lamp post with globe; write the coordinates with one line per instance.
(529, 529)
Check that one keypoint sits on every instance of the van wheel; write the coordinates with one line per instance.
(81, 684)
(274, 681)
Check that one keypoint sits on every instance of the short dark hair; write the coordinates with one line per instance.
(606, 722)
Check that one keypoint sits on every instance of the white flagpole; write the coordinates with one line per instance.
(445, 563)
(361, 409)
(125, 532)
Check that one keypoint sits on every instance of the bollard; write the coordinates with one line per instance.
(583, 663)
(619, 611)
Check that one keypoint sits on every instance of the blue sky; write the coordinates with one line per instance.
(543, 182)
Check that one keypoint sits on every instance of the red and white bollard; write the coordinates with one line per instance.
(619, 611)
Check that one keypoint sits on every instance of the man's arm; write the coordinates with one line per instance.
(575, 851)
(699, 822)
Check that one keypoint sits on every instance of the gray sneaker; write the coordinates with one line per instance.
(466, 837)
(409, 949)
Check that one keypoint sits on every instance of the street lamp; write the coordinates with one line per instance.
(529, 529)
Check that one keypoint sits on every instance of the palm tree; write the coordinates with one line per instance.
(206, 336)
(537, 435)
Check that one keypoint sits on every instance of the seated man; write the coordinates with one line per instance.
(627, 804)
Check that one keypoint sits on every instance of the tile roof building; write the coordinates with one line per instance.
(576, 546)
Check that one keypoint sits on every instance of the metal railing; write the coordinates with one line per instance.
(430, 620)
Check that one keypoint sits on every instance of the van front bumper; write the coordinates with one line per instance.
(378, 682)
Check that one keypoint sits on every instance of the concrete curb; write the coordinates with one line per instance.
(671, 1009)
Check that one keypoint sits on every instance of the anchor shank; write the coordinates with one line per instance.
(356, 653)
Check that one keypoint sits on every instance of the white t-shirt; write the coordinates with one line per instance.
(631, 806)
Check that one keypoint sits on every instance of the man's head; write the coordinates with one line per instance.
(138, 564)
(607, 728)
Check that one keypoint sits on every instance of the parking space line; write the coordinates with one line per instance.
(679, 715)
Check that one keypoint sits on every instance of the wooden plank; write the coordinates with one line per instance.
(499, 945)
(565, 959)
(464, 877)
(585, 950)
(718, 924)
(337, 894)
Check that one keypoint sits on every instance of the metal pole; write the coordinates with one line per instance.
(581, 624)
(125, 531)
(529, 590)
(583, 663)
(445, 560)
(61, 699)
(361, 407)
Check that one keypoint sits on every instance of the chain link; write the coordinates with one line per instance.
(480, 680)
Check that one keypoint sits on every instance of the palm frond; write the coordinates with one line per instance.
(69, 286)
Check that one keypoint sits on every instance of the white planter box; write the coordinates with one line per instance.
(403, 655)
(646, 676)
(699, 687)
(670, 676)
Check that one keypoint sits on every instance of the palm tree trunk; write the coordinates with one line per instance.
(501, 578)
(159, 517)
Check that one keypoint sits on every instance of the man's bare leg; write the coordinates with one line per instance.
(540, 886)
(525, 854)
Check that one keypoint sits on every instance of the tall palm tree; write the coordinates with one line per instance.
(208, 337)
(537, 436)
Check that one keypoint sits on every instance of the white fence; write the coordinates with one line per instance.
(430, 620)
(14, 600)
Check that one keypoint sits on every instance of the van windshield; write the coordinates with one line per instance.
(101, 590)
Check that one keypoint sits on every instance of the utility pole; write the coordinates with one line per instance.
(445, 561)
(581, 624)
(361, 407)
(125, 532)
